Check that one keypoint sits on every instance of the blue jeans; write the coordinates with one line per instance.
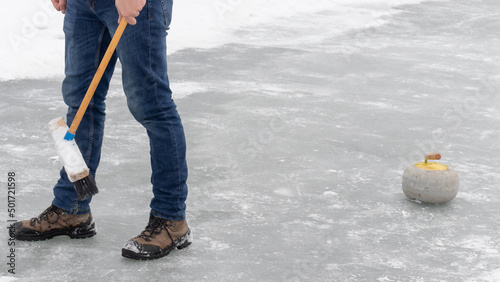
(88, 27)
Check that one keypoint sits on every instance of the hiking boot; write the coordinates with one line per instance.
(54, 222)
(159, 238)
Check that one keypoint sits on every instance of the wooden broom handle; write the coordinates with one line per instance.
(97, 77)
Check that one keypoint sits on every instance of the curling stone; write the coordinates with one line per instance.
(429, 182)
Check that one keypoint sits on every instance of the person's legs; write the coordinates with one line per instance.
(87, 38)
(142, 53)
(150, 101)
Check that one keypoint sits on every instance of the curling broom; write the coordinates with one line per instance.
(69, 154)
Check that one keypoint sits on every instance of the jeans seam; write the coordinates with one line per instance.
(91, 131)
(148, 5)
(165, 12)
(98, 52)
(172, 135)
(91, 106)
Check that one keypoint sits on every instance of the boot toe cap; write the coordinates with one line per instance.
(136, 250)
(19, 229)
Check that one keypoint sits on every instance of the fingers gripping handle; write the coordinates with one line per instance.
(95, 81)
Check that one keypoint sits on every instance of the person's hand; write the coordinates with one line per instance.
(129, 9)
(60, 5)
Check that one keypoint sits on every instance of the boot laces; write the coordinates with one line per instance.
(45, 215)
(154, 227)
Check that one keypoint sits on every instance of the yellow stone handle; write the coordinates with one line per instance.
(433, 156)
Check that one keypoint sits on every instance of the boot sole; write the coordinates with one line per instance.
(181, 243)
(73, 233)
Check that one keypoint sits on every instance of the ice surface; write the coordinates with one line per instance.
(295, 154)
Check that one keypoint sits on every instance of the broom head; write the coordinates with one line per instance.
(72, 160)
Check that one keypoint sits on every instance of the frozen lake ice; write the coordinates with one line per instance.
(296, 153)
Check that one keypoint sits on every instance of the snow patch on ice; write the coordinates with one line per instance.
(112, 93)
(321, 218)
(13, 148)
(206, 122)
(314, 224)
(395, 263)
(486, 134)
(7, 278)
(330, 194)
(405, 214)
(378, 105)
(182, 89)
(474, 197)
(284, 192)
(54, 159)
(33, 45)
(483, 244)
(219, 246)
(215, 245)
(491, 276)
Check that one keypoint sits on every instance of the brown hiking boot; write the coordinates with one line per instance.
(159, 238)
(54, 222)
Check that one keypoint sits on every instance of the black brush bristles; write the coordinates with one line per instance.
(85, 187)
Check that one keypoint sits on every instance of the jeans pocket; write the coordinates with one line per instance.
(166, 6)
